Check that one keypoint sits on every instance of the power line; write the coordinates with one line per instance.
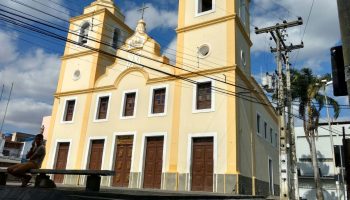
(23, 4)
(107, 44)
(50, 34)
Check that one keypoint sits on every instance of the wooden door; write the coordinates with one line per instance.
(153, 162)
(122, 161)
(202, 164)
(61, 160)
(96, 153)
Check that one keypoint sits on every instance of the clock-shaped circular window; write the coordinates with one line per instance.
(203, 51)
(76, 75)
(243, 58)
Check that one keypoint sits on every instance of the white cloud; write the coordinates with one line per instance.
(34, 75)
(322, 30)
(170, 51)
(26, 113)
(8, 49)
(154, 17)
(32, 6)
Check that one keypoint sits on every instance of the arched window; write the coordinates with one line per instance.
(84, 33)
(116, 38)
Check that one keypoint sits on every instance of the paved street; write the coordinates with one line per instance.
(14, 192)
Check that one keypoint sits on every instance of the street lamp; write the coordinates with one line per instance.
(327, 83)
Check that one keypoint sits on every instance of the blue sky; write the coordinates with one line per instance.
(32, 62)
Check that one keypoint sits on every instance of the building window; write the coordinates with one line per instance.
(158, 103)
(271, 136)
(203, 100)
(129, 104)
(276, 140)
(265, 130)
(84, 33)
(102, 108)
(69, 111)
(116, 38)
(258, 123)
(243, 11)
(204, 6)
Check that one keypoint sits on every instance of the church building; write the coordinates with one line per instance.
(201, 124)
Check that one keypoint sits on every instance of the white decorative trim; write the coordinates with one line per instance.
(194, 98)
(201, 56)
(54, 157)
(197, 14)
(114, 150)
(150, 105)
(88, 149)
(55, 150)
(122, 105)
(143, 153)
(97, 106)
(189, 154)
(65, 110)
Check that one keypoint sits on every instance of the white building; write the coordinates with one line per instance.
(328, 172)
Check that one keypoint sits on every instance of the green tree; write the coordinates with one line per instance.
(306, 89)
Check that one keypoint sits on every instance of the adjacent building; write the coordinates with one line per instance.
(331, 177)
(203, 124)
(14, 147)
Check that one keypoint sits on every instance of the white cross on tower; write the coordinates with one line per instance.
(144, 7)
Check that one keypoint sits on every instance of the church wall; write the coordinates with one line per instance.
(242, 46)
(264, 150)
(209, 36)
(67, 131)
(209, 124)
(85, 64)
(191, 17)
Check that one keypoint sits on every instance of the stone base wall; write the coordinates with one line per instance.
(262, 188)
(245, 185)
(222, 183)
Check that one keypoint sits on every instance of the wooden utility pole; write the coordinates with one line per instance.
(284, 133)
(344, 21)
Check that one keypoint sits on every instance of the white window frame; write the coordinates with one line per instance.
(114, 151)
(122, 106)
(88, 150)
(55, 150)
(190, 155)
(54, 156)
(198, 14)
(194, 98)
(143, 155)
(97, 107)
(65, 110)
(150, 105)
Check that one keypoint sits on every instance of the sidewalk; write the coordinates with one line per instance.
(64, 192)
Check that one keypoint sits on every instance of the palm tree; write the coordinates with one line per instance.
(306, 89)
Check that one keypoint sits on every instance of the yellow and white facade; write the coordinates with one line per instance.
(213, 47)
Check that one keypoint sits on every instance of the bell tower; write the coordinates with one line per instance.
(101, 27)
(213, 34)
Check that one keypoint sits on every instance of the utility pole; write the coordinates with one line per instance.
(284, 158)
(344, 21)
(7, 105)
